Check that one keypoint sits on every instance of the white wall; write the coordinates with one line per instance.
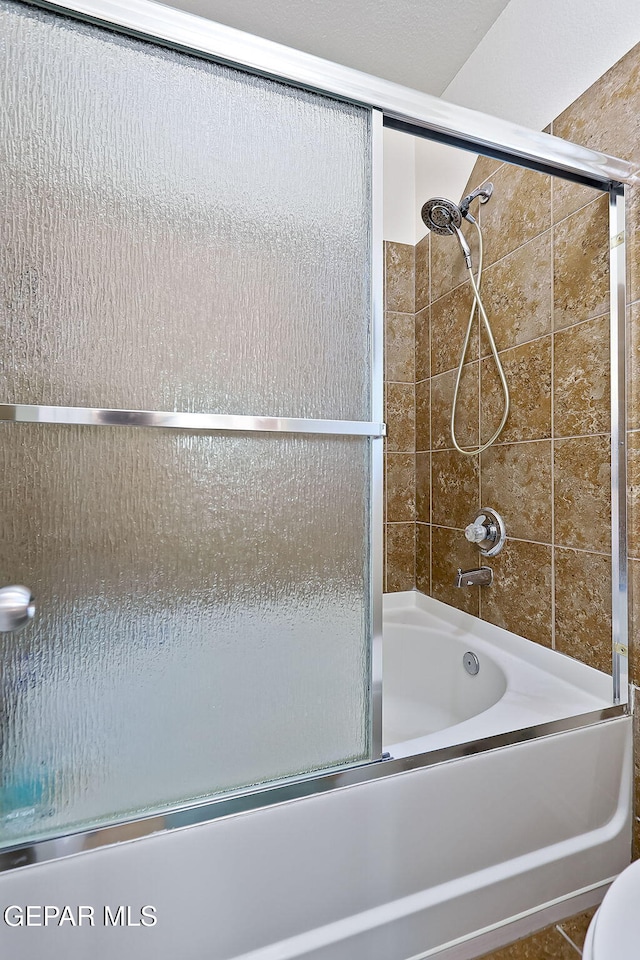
(399, 187)
(415, 170)
(441, 171)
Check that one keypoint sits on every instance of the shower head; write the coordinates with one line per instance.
(444, 217)
(441, 215)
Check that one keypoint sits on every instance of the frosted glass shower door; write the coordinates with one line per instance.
(176, 235)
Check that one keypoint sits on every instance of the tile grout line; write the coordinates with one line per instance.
(535, 543)
(526, 343)
(513, 443)
(491, 173)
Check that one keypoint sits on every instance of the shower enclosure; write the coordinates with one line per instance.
(190, 278)
(184, 247)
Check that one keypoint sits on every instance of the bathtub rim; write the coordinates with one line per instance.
(249, 800)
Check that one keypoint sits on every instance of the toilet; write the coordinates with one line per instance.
(613, 931)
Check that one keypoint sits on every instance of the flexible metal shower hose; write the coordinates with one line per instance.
(475, 284)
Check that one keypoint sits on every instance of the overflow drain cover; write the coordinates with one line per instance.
(471, 663)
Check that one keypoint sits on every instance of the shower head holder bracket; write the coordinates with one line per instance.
(487, 531)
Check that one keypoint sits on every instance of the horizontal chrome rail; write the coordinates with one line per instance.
(99, 416)
(230, 804)
(469, 128)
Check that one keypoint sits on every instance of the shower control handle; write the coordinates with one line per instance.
(488, 532)
(16, 608)
(477, 532)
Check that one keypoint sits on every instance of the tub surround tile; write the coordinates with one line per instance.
(450, 551)
(423, 344)
(455, 488)
(633, 366)
(567, 197)
(399, 500)
(528, 372)
(400, 347)
(583, 606)
(399, 277)
(633, 244)
(483, 170)
(400, 417)
(400, 485)
(423, 487)
(516, 481)
(634, 636)
(519, 210)
(635, 838)
(520, 596)
(517, 294)
(423, 416)
(442, 388)
(605, 117)
(581, 265)
(449, 321)
(633, 495)
(527, 216)
(582, 476)
(423, 558)
(448, 269)
(582, 384)
(423, 291)
(401, 557)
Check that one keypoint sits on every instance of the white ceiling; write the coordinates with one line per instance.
(419, 43)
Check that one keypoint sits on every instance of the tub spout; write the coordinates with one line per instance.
(483, 577)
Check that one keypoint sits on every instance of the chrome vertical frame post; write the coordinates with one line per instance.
(377, 445)
(619, 590)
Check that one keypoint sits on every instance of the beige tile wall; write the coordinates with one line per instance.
(545, 286)
(400, 416)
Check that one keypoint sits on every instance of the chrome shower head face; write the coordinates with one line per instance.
(442, 216)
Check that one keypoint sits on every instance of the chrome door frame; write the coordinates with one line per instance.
(400, 105)
(618, 363)
(423, 115)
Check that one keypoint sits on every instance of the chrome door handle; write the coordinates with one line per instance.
(16, 608)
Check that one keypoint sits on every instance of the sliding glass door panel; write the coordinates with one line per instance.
(176, 234)
(202, 618)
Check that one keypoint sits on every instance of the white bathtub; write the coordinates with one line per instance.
(430, 701)
(446, 860)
